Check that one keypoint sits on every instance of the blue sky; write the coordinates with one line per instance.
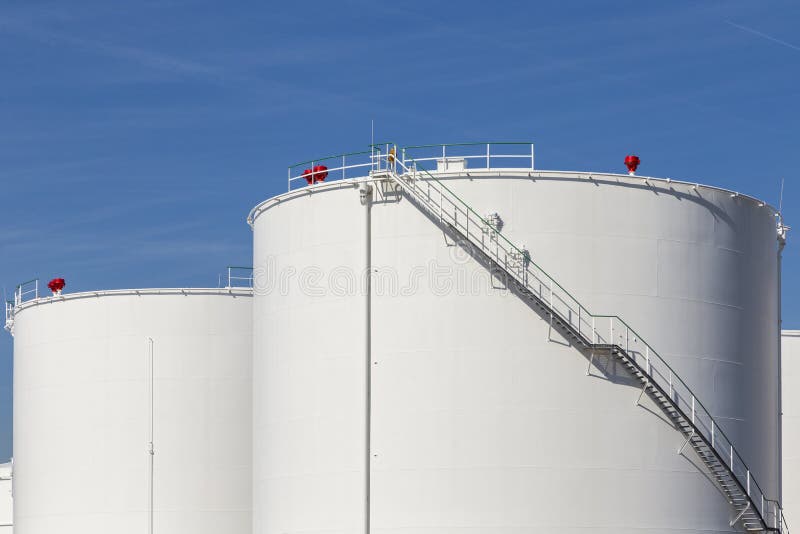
(135, 137)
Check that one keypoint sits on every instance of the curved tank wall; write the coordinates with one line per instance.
(82, 412)
(790, 374)
(470, 413)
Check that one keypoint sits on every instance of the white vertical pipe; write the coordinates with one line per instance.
(150, 442)
(779, 440)
(367, 357)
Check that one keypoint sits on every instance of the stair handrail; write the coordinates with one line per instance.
(697, 409)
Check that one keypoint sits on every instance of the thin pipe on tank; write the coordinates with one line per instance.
(367, 355)
(150, 441)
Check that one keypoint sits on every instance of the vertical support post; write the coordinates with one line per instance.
(36, 289)
(532, 166)
(712, 434)
(692, 409)
(289, 180)
(731, 464)
(488, 156)
(647, 359)
(670, 384)
(594, 332)
(579, 319)
(440, 204)
(611, 330)
(627, 338)
(344, 165)
(748, 482)
(775, 513)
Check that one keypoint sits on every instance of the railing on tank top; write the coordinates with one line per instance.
(26, 291)
(239, 276)
(22, 293)
(354, 164)
(595, 329)
(9, 322)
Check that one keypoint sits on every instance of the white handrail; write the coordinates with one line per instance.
(240, 277)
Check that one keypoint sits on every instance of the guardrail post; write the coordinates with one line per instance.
(289, 180)
(36, 286)
(748, 482)
(627, 338)
(670, 384)
(647, 359)
(775, 512)
(712, 434)
(692, 409)
(579, 320)
(611, 331)
(488, 162)
(532, 167)
(594, 333)
(344, 166)
(731, 464)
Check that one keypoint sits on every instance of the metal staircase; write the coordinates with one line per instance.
(598, 335)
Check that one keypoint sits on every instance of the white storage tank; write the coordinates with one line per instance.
(88, 397)
(790, 365)
(6, 500)
(436, 399)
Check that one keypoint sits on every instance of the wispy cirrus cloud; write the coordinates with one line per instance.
(142, 56)
(763, 35)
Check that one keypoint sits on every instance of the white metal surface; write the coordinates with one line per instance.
(84, 403)
(481, 417)
(791, 421)
(6, 500)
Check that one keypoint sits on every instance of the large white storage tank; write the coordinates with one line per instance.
(790, 365)
(435, 400)
(84, 402)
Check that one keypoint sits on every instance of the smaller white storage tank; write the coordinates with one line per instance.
(6, 502)
(86, 397)
(790, 387)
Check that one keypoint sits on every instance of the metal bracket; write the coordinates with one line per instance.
(738, 517)
(685, 443)
(644, 388)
